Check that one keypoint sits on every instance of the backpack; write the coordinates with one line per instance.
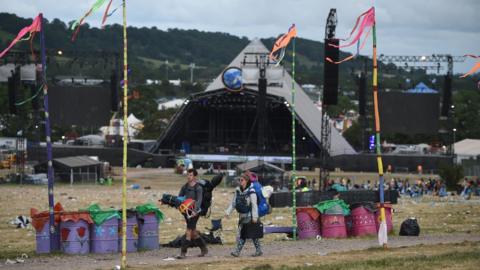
(241, 201)
(207, 188)
(410, 227)
(263, 206)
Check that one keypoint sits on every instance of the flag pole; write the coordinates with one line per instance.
(382, 234)
(125, 140)
(47, 134)
(294, 167)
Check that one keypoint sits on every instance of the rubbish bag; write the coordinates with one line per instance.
(409, 227)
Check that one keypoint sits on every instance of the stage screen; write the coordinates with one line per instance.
(86, 106)
(409, 113)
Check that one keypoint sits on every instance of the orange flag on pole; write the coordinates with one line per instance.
(281, 43)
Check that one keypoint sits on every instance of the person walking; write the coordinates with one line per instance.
(192, 190)
(245, 203)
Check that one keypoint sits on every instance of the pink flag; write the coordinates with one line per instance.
(34, 27)
(368, 19)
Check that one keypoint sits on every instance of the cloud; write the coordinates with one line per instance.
(404, 27)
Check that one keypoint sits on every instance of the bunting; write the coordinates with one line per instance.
(31, 29)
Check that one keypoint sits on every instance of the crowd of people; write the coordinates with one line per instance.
(416, 188)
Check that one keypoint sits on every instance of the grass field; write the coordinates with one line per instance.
(450, 216)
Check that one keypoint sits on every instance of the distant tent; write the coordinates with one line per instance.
(421, 88)
(267, 173)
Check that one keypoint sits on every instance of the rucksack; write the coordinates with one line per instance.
(409, 227)
(241, 203)
(263, 206)
(207, 188)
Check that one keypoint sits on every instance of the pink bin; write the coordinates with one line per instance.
(388, 217)
(333, 226)
(363, 222)
(308, 222)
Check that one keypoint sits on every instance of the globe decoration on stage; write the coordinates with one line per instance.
(232, 79)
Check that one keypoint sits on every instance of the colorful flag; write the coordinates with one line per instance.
(365, 21)
(281, 44)
(96, 6)
(31, 29)
(474, 68)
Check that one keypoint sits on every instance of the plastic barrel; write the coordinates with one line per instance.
(333, 226)
(148, 232)
(132, 234)
(388, 217)
(363, 222)
(43, 239)
(75, 237)
(308, 222)
(104, 238)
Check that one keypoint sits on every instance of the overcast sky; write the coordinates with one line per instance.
(406, 27)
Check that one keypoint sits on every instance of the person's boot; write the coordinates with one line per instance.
(203, 246)
(238, 248)
(258, 248)
(183, 249)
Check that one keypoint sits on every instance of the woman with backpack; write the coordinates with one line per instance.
(249, 225)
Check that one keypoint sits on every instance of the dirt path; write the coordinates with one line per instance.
(273, 251)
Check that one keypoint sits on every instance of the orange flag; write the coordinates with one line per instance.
(472, 70)
(282, 43)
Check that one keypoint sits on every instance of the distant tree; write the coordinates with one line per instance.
(354, 135)
(451, 174)
(467, 112)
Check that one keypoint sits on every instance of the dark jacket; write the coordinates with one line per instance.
(195, 193)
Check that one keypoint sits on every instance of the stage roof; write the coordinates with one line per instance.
(306, 111)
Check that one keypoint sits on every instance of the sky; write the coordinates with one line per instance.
(404, 27)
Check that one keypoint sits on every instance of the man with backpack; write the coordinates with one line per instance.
(192, 190)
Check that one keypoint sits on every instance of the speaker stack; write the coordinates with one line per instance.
(330, 81)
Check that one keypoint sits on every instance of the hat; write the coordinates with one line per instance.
(252, 176)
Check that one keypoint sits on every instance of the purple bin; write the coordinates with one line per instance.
(333, 226)
(43, 239)
(75, 237)
(104, 238)
(148, 232)
(363, 222)
(132, 234)
(308, 222)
